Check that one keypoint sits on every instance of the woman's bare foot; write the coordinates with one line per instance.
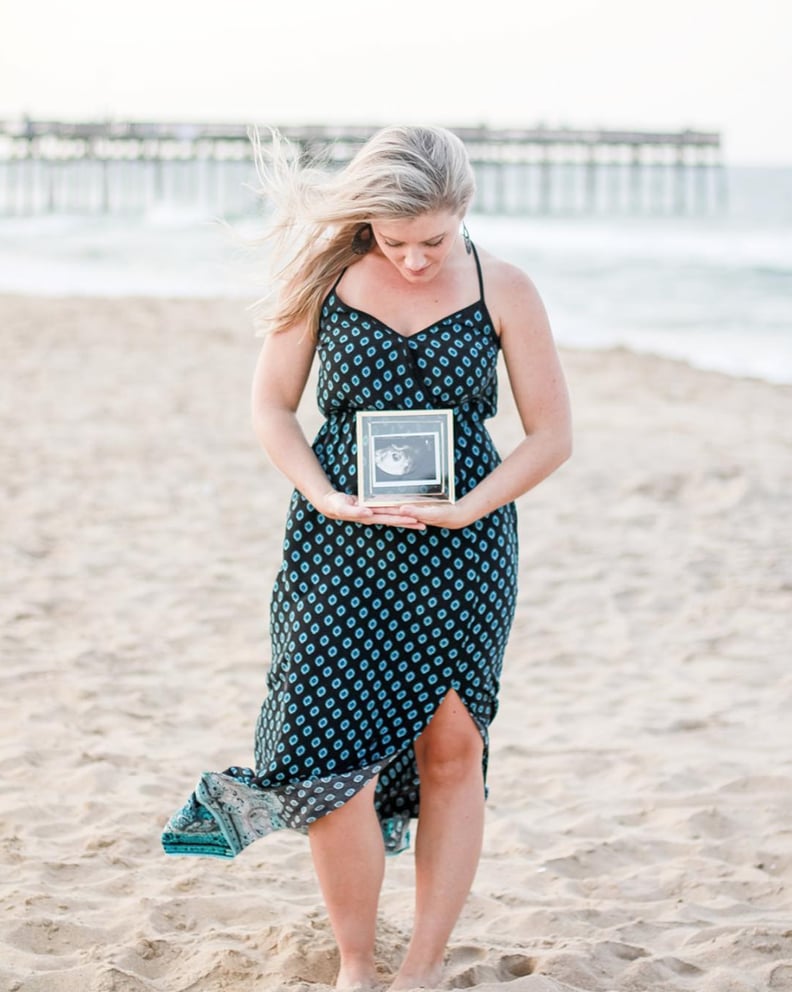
(357, 978)
(427, 978)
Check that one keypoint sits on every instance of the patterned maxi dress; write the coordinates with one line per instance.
(372, 625)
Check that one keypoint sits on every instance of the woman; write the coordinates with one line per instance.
(388, 623)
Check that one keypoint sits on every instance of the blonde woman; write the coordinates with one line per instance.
(389, 622)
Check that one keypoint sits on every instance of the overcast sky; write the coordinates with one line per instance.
(708, 64)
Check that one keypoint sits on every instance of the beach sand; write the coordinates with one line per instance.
(639, 827)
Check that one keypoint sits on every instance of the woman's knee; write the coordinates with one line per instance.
(450, 749)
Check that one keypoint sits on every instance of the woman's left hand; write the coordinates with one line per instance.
(454, 516)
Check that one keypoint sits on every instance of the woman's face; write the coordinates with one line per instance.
(418, 246)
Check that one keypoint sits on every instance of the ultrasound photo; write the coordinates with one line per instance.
(405, 455)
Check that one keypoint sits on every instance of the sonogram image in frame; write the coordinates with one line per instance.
(405, 456)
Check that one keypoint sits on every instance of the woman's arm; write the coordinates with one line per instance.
(540, 393)
(281, 373)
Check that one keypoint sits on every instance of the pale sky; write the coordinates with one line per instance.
(707, 64)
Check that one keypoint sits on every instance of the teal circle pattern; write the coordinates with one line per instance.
(372, 626)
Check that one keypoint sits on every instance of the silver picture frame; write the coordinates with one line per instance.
(405, 456)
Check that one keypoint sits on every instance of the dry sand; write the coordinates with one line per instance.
(639, 831)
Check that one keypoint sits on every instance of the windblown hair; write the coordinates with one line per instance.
(316, 211)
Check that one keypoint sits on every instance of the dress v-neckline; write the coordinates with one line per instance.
(423, 330)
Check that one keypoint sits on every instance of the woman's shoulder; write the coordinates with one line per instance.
(508, 289)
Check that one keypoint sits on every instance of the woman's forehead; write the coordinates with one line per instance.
(424, 227)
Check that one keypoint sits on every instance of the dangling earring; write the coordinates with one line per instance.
(363, 240)
(466, 238)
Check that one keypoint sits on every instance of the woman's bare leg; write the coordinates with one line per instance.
(448, 844)
(349, 859)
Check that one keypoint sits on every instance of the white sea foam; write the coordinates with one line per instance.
(167, 254)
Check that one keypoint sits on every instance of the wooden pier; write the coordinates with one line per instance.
(132, 166)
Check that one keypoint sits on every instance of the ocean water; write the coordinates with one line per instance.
(712, 288)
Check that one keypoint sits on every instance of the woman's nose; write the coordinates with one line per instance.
(414, 258)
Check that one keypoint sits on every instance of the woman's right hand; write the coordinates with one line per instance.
(342, 506)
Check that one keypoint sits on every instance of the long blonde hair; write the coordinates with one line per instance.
(316, 211)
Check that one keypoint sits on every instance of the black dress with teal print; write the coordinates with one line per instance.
(372, 626)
